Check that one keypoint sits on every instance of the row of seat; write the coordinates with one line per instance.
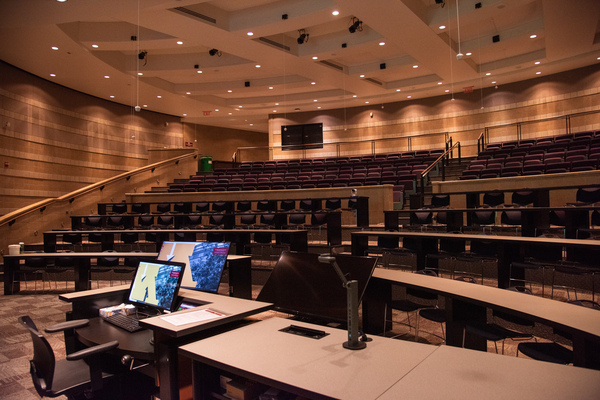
(565, 153)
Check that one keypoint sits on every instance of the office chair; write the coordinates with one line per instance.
(78, 376)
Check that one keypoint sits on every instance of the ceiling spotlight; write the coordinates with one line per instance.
(303, 38)
(214, 52)
(356, 25)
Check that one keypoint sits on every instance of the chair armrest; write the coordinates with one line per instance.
(92, 351)
(65, 326)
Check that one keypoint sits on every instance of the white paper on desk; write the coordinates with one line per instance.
(193, 316)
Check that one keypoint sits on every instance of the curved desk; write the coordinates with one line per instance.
(468, 302)
(137, 344)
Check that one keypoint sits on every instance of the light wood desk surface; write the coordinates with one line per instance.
(385, 369)
(316, 368)
(452, 373)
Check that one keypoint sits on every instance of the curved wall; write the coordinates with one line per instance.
(425, 123)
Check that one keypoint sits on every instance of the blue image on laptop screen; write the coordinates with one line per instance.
(156, 284)
(205, 261)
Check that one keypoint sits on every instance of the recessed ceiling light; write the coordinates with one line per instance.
(315, 100)
(140, 73)
(54, 48)
(159, 97)
(439, 83)
(276, 104)
(469, 53)
(538, 73)
(447, 90)
(229, 91)
(382, 43)
(442, 27)
(95, 46)
(251, 124)
(397, 90)
(335, 12)
(362, 75)
(315, 58)
(409, 97)
(493, 82)
(106, 76)
(415, 66)
(240, 106)
(185, 115)
(179, 42)
(532, 36)
(250, 33)
(538, 62)
(319, 107)
(270, 87)
(188, 92)
(274, 110)
(313, 83)
(257, 65)
(62, 1)
(112, 96)
(216, 110)
(52, 74)
(366, 102)
(355, 95)
(199, 71)
(230, 113)
(488, 73)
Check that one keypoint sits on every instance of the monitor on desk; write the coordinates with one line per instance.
(303, 286)
(156, 285)
(205, 262)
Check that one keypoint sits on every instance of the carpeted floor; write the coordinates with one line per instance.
(46, 309)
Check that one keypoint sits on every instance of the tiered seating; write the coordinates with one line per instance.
(550, 155)
(399, 169)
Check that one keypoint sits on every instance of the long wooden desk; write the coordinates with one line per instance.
(468, 302)
(240, 270)
(167, 337)
(531, 217)
(81, 268)
(508, 248)
(241, 237)
(313, 368)
(386, 368)
(452, 373)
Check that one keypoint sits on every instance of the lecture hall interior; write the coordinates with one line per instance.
(285, 199)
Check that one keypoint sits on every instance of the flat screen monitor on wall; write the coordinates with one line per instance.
(305, 136)
(205, 262)
(301, 285)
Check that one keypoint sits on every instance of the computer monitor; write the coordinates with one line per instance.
(156, 285)
(205, 262)
(301, 285)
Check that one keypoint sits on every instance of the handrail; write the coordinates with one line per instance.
(442, 157)
(11, 217)
(481, 143)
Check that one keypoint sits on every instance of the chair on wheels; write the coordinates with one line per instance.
(495, 330)
(78, 376)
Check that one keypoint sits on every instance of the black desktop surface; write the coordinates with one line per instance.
(301, 285)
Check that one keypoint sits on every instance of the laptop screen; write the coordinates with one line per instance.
(205, 261)
(156, 284)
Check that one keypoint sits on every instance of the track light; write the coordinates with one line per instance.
(356, 25)
(303, 38)
(214, 52)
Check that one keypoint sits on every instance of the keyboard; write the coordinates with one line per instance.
(128, 322)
